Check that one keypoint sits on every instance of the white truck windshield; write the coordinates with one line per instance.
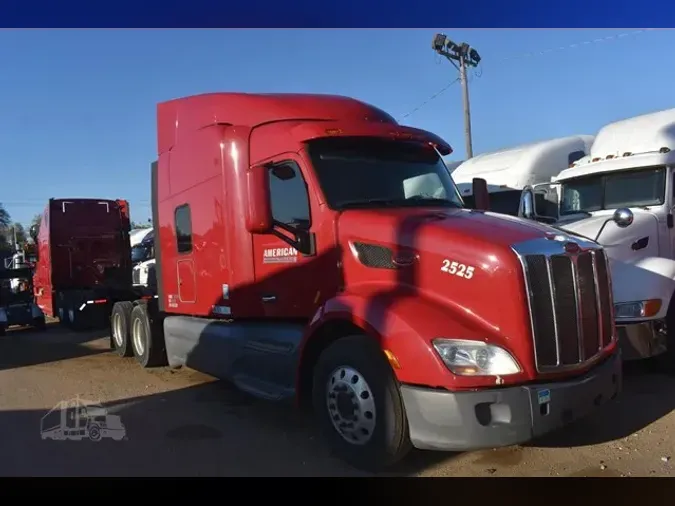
(629, 188)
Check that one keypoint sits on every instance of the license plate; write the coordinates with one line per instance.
(544, 396)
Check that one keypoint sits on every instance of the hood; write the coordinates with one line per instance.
(460, 259)
(636, 273)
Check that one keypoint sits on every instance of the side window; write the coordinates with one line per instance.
(183, 229)
(290, 200)
(574, 156)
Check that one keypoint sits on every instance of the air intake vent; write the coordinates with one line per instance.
(372, 255)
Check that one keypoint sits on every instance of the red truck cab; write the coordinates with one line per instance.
(83, 259)
(309, 248)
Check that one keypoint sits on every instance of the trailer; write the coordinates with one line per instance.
(620, 195)
(83, 261)
(508, 171)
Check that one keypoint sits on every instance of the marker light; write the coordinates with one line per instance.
(637, 309)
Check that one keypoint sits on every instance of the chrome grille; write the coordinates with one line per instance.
(136, 276)
(570, 303)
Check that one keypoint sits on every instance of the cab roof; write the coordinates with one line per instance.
(251, 110)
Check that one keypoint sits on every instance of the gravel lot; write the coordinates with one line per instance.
(182, 423)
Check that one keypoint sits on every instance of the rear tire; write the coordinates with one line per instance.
(120, 325)
(40, 324)
(148, 346)
(358, 404)
(63, 314)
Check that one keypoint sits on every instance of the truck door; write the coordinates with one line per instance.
(288, 282)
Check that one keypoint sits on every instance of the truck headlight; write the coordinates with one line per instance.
(475, 358)
(637, 309)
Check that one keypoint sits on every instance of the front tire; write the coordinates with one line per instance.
(358, 404)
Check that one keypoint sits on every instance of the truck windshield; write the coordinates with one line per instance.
(140, 253)
(629, 188)
(367, 172)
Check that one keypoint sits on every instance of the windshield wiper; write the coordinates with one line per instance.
(418, 199)
(410, 202)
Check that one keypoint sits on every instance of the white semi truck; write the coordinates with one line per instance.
(622, 196)
(508, 171)
(143, 258)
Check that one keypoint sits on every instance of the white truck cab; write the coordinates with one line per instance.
(143, 259)
(507, 172)
(623, 196)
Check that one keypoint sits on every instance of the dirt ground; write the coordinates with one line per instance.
(182, 423)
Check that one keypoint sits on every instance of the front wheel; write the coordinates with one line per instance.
(358, 404)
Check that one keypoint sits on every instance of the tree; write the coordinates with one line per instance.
(5, 223)
(35, 222)
(135, 225)
(20, 233)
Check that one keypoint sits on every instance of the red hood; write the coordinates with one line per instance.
(488, 299)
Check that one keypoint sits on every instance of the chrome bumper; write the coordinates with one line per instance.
(640, 340)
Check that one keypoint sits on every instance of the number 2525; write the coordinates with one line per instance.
(457, 269)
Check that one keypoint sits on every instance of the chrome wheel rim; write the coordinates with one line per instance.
(139, 345)
(351, 405)
(117, 330)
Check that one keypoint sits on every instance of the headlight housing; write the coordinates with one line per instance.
(475, 358)
(637, 309)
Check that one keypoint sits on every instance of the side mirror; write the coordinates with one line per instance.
(527, 204)
(33, 232)
(623, 217)
(481, 196)
(259, 205)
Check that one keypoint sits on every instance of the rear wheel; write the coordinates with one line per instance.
(148, 346)
(358, 404)
(40, 323)
(120, 319)
(63, 314)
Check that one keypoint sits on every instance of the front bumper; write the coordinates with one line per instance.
(640, 340)
(459, 421)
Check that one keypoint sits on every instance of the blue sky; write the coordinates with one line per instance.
(77, 106)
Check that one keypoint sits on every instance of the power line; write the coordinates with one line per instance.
(439, 92)
(531, 54)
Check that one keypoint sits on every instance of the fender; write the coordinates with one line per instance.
(647, 278)
(405, 325)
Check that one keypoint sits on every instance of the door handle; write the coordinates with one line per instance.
(269, 298)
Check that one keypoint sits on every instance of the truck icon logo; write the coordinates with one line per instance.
(79, 419)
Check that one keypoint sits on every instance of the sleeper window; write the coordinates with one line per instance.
(183, 229)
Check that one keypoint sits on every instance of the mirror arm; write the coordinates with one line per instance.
(297, 243)
(602, 228)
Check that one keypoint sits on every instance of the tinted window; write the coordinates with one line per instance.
(183, 229)
(290, 200)
(375, 173)
(574, 156)
(631, 188)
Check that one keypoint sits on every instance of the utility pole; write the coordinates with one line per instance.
(466, 56)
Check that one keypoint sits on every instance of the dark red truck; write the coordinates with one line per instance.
(83, 259)
(310, 249)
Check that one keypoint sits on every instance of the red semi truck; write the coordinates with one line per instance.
(309, 248)
(83, 259)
